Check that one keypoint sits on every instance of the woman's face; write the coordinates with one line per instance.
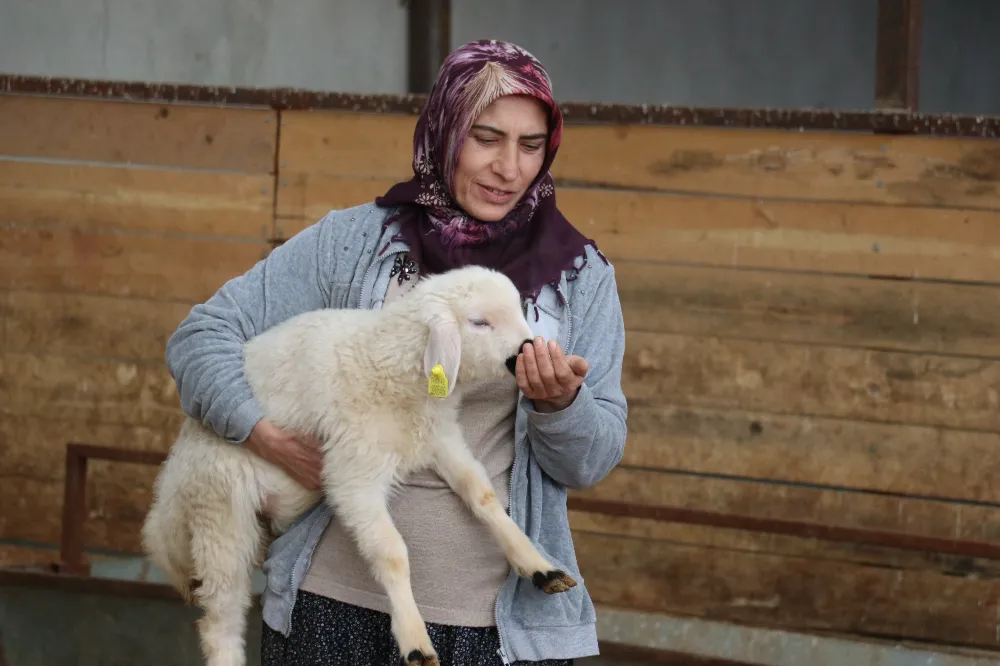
(501, 156)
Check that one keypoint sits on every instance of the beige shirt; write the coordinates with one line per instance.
(456, 567)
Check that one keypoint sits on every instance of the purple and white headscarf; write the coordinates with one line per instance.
(534, 243)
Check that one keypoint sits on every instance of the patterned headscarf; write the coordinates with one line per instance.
(534, 243)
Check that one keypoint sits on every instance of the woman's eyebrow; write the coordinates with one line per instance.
(500, 132)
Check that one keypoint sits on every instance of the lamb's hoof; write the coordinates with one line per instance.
(552, 582)
(418, 658)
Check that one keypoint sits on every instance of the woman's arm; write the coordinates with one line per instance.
(205, 353)
(581, 443)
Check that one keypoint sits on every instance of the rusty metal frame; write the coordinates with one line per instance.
(289, 99)
(75, 489)
(74, 512)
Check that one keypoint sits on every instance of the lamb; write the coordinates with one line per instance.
(363, 381)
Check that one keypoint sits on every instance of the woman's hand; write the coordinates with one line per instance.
(547, 376)
(296, 453)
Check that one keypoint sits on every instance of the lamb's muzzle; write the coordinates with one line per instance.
(512, 360)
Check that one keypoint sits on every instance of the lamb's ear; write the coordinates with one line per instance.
(444, 345)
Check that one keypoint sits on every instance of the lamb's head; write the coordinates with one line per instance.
(475, 322)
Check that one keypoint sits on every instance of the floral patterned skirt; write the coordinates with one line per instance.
(331, 633)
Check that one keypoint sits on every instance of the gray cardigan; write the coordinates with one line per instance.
(343, 261)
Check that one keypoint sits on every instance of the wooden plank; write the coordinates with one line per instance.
(787, 592)
(728, 232)
(808, 308)
(26, 556)
(800, 236)
(830, 506)
(89, 390)
(176, 135)
(303, 199)
(149, 200)
(813, 166)
(805, 166)
(142, 266)
(779, 544)
(898, 458)
(35, 446)
(68, 324)
(117, 499)
(809, 380)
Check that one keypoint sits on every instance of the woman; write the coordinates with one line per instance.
(481, 193)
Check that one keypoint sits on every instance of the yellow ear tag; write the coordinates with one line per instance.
(437, 383)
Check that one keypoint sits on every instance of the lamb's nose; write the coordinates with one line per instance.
(511, 364)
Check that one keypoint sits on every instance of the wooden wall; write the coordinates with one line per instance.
(811, 320)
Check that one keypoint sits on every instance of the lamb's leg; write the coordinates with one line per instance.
(362, 508)
(226, 540)
(468, 478)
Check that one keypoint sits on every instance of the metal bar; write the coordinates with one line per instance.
(75, 496)
(897, 60)
(429, 35)
(886, 120)
(962, 547)
(74, 512)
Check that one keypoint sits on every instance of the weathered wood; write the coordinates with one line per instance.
(26, 556)
(815, 166)
(787, 592)
(302, 199)
(809, 380)
(117, 499)
(88, 325)
(892, 458)
(35, 446)
(197, 137)
(139, 200)
(186, 269)
(830, 506)
(779, 544)
(89, 390)
(800, 236)
(728, 232)
(809, 308)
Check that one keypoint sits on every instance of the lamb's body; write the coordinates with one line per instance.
(357, 379)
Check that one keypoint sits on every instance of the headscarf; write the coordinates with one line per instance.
(534, 243)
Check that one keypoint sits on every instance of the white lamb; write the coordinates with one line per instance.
(360, 380)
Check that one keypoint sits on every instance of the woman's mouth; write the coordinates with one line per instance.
(495, 196)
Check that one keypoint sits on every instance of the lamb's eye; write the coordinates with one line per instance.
(476, 321)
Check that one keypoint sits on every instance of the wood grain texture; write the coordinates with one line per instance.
(142, 200)
(141, 266)
(95, 391)
(117, 499)
(959, 244)
(825, 237)
(810, 166)
(808, 380)
(69, 324)
(175, 135)
(830, 506)
(904, 315)
(813, 166)
(780, 544)
(788, 592)
(904, 459)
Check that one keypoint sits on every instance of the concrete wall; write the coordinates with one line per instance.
(778, 53)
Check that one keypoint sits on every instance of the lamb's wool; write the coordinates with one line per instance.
(320, 372)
